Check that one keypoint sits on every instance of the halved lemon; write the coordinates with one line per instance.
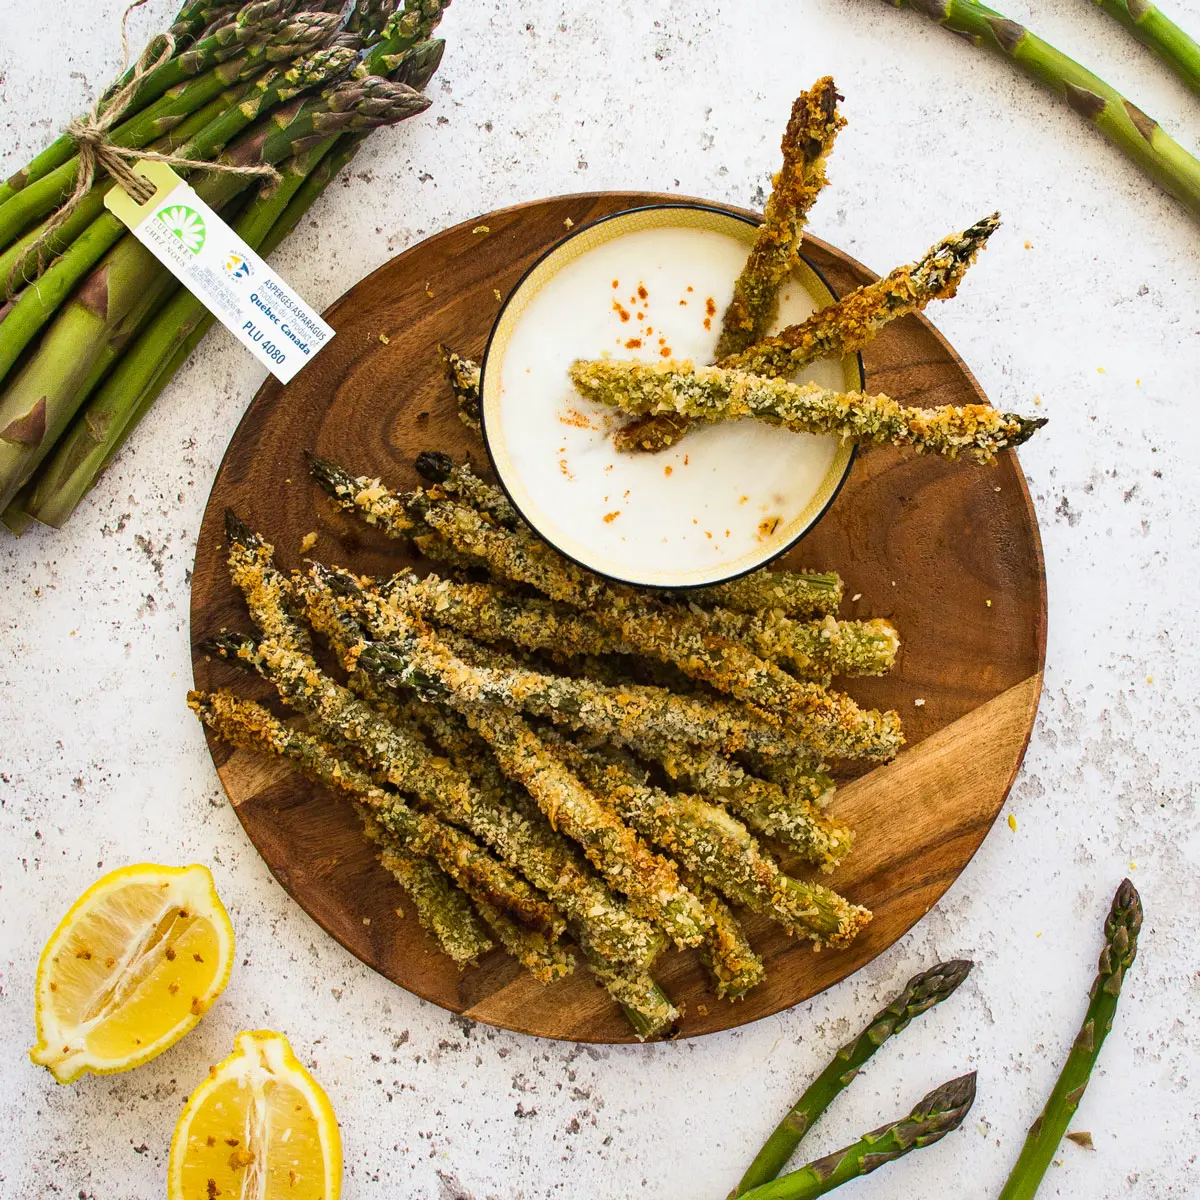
(258, 1128)
(134, 965)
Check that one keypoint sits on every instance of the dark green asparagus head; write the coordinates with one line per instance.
(939, 1113)
(238, 533)
(1121, 929)
(417, 66)
(368, 18)
(337, 482)
(1026, 428)
(434, 466)
(299, 34)
(321, 66)
(920, 994)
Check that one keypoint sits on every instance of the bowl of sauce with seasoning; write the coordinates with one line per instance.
(650, 283)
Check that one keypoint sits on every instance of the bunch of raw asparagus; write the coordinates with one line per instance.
(577, 757)
(750, 377)
(92, 328)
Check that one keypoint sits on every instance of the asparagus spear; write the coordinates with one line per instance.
(441, 908)
(543, 958)
(36, 405)
(939, 1113)
(647, 1008)
(463, 377)
(246, 724)
(793, 816)
(728, 957)
(717, 849)
(1153, 29)
(974, 431)
(1135, 134)
(919, 995)
(808, 139)
(849, 324)
(259, 19)
(1121, 928)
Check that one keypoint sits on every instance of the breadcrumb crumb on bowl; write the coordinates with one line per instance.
(719, 501)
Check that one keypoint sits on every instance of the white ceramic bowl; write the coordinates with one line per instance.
(650, 283)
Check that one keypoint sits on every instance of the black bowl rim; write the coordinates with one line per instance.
(487, 445)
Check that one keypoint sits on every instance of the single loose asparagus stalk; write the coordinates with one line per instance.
(1153, 29)
(1135, 134)
(974, 431)
(807, 140)
(442, 908)
(939, 1113)
(919, 995)
(1121, 928)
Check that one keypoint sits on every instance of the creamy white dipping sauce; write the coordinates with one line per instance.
(727, 497)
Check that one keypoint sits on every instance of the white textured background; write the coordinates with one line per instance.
(102, 764)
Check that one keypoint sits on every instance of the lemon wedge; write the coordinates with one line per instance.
(134, 965)
(258, 1128)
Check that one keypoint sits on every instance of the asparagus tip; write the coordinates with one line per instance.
(237, 532)
(952, 1100)
(434, 465)
(328, 474)
(227, 644)
(1026, 428)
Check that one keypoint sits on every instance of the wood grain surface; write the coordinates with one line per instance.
(950, 552)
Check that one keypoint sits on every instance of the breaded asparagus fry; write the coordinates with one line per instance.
(246, 724)
(537, 953)
(463, 376)
(793, 593)
(811, 130)
(254, 573)
(597, 916)
(441, 908)
(650, 881)
(717, 848)
(651, 434)
(974, 431)
(851, 322)
(791, 816)
(368, 498)
(730, 959)
(813, 649)
(645, 1005)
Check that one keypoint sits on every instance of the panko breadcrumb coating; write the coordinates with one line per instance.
(811, 130)
(974, 431)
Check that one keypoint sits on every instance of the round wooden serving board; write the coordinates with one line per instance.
(950, 552)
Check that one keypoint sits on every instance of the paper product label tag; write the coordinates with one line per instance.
(222, 272)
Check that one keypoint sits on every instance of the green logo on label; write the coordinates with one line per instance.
(186, 224)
